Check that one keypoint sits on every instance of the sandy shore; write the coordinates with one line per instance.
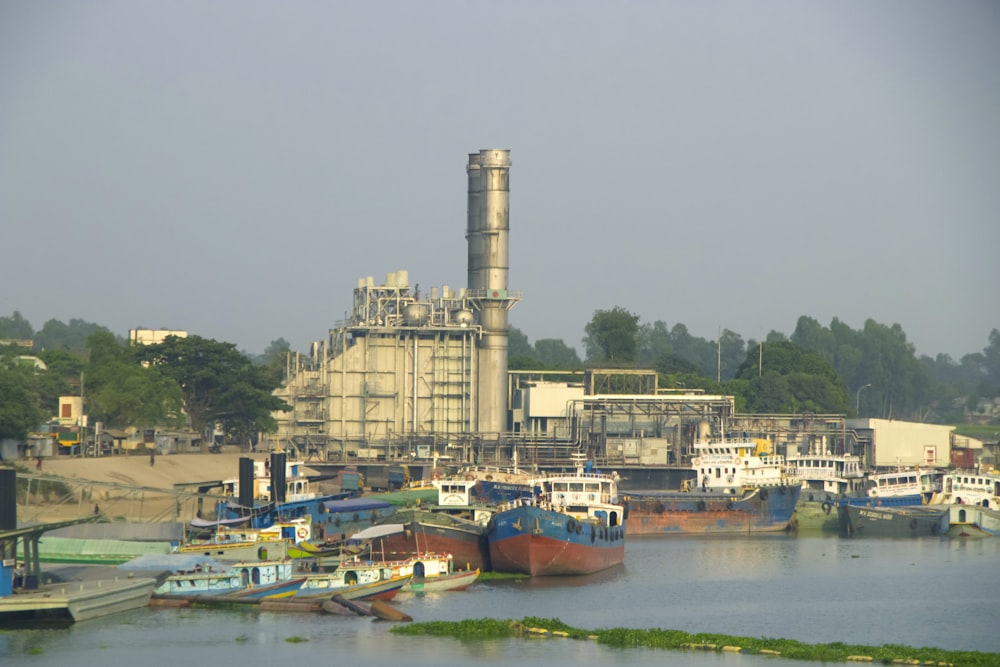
(128, 486)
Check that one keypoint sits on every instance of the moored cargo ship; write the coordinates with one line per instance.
(739, 488)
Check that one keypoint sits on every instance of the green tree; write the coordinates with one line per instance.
(698, 351)
(654, 343)
(792, 380)
(16, 327)
(121, 392)
(219, 384)
(19, 409)
(275, 358)
(517, 344)
(553, 353)
(56, 335)
(612, 336)
(64, 377)
(731, 353)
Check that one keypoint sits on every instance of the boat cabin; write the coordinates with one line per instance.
(827, 473)
(922, 482)
(296, 483)
(969, 488)
(731, 465)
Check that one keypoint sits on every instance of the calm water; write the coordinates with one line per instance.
(919, 592)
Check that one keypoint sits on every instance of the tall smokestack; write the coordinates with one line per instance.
(489, 226)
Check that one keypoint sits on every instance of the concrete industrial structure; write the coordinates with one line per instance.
(415, 371)
(412, 376)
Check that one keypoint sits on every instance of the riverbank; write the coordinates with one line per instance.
(132, 488)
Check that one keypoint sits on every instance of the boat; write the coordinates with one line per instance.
(972, 521)
(255, 502)
(824, 477)
(738, 487)
(575, 525)
(193, 575)
(245, 543)
(903, 486)
(430, 572)
(972, 501)
(493, 484)
(903, 521)
(449, 581)
(455, 525)
(353, 579)
(62, 595)
(966, 503)
(965, 487)
(71, 601)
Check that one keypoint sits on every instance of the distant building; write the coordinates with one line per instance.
(153, 336)
(889, 443)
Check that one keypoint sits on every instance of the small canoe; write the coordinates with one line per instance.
(386, 612)
(453, 581)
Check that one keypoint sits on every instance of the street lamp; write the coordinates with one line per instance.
(857, 399)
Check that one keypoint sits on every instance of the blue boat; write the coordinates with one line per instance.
(574, 525)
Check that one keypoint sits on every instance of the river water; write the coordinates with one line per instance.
(917, 592)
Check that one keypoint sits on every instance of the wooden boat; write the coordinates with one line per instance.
(325, 586)
(354, 578)
(450, 581)
(429, 572)
(575, 525)
(195, 575)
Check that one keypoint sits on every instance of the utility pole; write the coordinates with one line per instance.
(857, 399)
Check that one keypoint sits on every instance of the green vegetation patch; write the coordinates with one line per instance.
(624, 638)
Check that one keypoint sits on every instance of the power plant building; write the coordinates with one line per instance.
(413, 375)
(410, 370)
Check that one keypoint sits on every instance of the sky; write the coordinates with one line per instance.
(233, 167)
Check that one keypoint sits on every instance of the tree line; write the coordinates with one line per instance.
(872, 372)
(191, 382)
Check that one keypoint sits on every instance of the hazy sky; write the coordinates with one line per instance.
(233, 167)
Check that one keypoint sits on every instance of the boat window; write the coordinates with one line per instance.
(576, 486)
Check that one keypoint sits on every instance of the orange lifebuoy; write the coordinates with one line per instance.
(696, 462)
(302, 532)
(737, 461)
(470, 477)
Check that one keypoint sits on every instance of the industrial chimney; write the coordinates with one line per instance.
(488, 228)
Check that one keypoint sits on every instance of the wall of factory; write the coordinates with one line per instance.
(381, 388)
